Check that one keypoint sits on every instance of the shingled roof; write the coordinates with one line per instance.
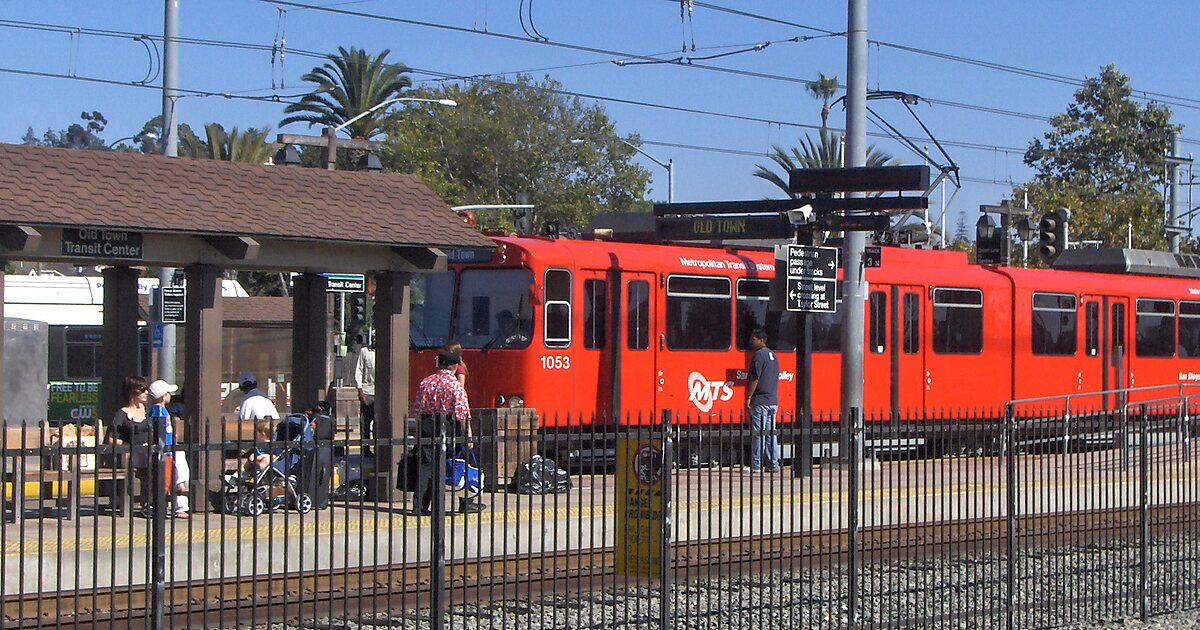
(146, 193)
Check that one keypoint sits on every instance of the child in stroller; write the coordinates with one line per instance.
(267, 479)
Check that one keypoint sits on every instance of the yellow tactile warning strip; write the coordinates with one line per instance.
(292, 526)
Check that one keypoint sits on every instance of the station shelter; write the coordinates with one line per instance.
(126, 212)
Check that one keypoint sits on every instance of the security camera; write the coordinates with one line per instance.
(802, 215)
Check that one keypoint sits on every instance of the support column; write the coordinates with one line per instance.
(310, 340)
(118, 336)
(2, 414)
(391, 379)
(202, 368)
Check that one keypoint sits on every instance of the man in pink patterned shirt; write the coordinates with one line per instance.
(439, 398)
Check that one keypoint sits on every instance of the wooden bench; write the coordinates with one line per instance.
(34, 465)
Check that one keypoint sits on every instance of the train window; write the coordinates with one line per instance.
(1118, 327)
(1189, 330)
(1054, 330)
(912, 323)
(878, 310)
(556, 332)
(493, 308)
(827, 330)
(1155, 323)
(1092, 310)
(638, 315)
(699, 316)
(595, 314)
(431, 297)
(752, 298)
(957, 321)
(82, 345)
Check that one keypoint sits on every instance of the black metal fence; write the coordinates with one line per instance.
(1039, 515)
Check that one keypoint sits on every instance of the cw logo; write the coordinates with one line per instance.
(703, 393)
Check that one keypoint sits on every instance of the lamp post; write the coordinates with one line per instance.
(331, 132)
(149, 135)
(669, 164)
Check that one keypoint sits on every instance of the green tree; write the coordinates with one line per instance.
(250, 146)
(350, 83)
(509, 140)
(824, 88)
(824, 153)
(1103, 160)
(77, 136)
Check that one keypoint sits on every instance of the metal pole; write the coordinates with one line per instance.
(158, 521)
(170, 115)
(1172, 208)
(670, 181)
(853, 533)
(665, 581)
(1011, 499)
(437, 542)
(1144, 514)
(854, 289)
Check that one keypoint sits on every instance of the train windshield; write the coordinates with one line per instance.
(431, 298)
(493, 308)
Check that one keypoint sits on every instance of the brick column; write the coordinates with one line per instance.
(391, 378)
(118, 337)
(310, 340)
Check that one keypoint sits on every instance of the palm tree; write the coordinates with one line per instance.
(823, 88)
(351, 82)
(249, 146)
(825, 154)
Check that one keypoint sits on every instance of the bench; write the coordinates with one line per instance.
(37, 465)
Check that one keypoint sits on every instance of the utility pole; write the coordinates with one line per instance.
(1173, 227)
(170, 106)
(853, 287)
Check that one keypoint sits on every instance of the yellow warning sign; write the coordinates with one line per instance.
(640, 507)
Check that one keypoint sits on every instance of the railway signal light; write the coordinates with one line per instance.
(1052, 234)
(358, 307)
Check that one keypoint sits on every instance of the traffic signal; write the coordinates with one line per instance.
(1052, 234)
(358, 307)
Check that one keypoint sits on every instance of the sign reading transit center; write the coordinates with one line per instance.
(97, 243)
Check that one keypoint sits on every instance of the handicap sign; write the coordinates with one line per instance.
(156, 335)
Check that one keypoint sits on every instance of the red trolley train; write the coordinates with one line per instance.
(587, 328)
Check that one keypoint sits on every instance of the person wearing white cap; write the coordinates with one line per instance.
(176, 471)
(255, 404)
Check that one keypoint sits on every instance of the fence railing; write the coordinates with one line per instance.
(989, 518)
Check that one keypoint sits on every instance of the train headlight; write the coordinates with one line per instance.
(500, 400)
(516, 401)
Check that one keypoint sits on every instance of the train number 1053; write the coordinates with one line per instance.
(556, 362)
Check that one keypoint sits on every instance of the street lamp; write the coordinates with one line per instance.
(669, 165)
(149, 135)
(331, 132)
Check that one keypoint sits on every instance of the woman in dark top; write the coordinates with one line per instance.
(129, 425)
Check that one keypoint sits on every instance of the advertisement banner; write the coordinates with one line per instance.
(74, 401)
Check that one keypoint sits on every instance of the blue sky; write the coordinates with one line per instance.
(989, 115)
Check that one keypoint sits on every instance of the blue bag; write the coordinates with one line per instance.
(463, 476)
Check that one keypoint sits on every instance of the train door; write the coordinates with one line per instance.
(908, 359)
(637, 375)
(1105, 343)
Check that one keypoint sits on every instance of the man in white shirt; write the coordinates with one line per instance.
(255, 404)
(364, 381)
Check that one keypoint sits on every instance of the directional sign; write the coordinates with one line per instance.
(812, 262)
(156, 335)
(872, 256)
(345, 283)
(812, 278)
(174, 305)
(858, 179)
(813, 296)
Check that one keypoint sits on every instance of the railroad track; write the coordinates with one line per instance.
(400, 589)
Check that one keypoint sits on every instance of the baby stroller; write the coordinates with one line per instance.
(273, 487)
